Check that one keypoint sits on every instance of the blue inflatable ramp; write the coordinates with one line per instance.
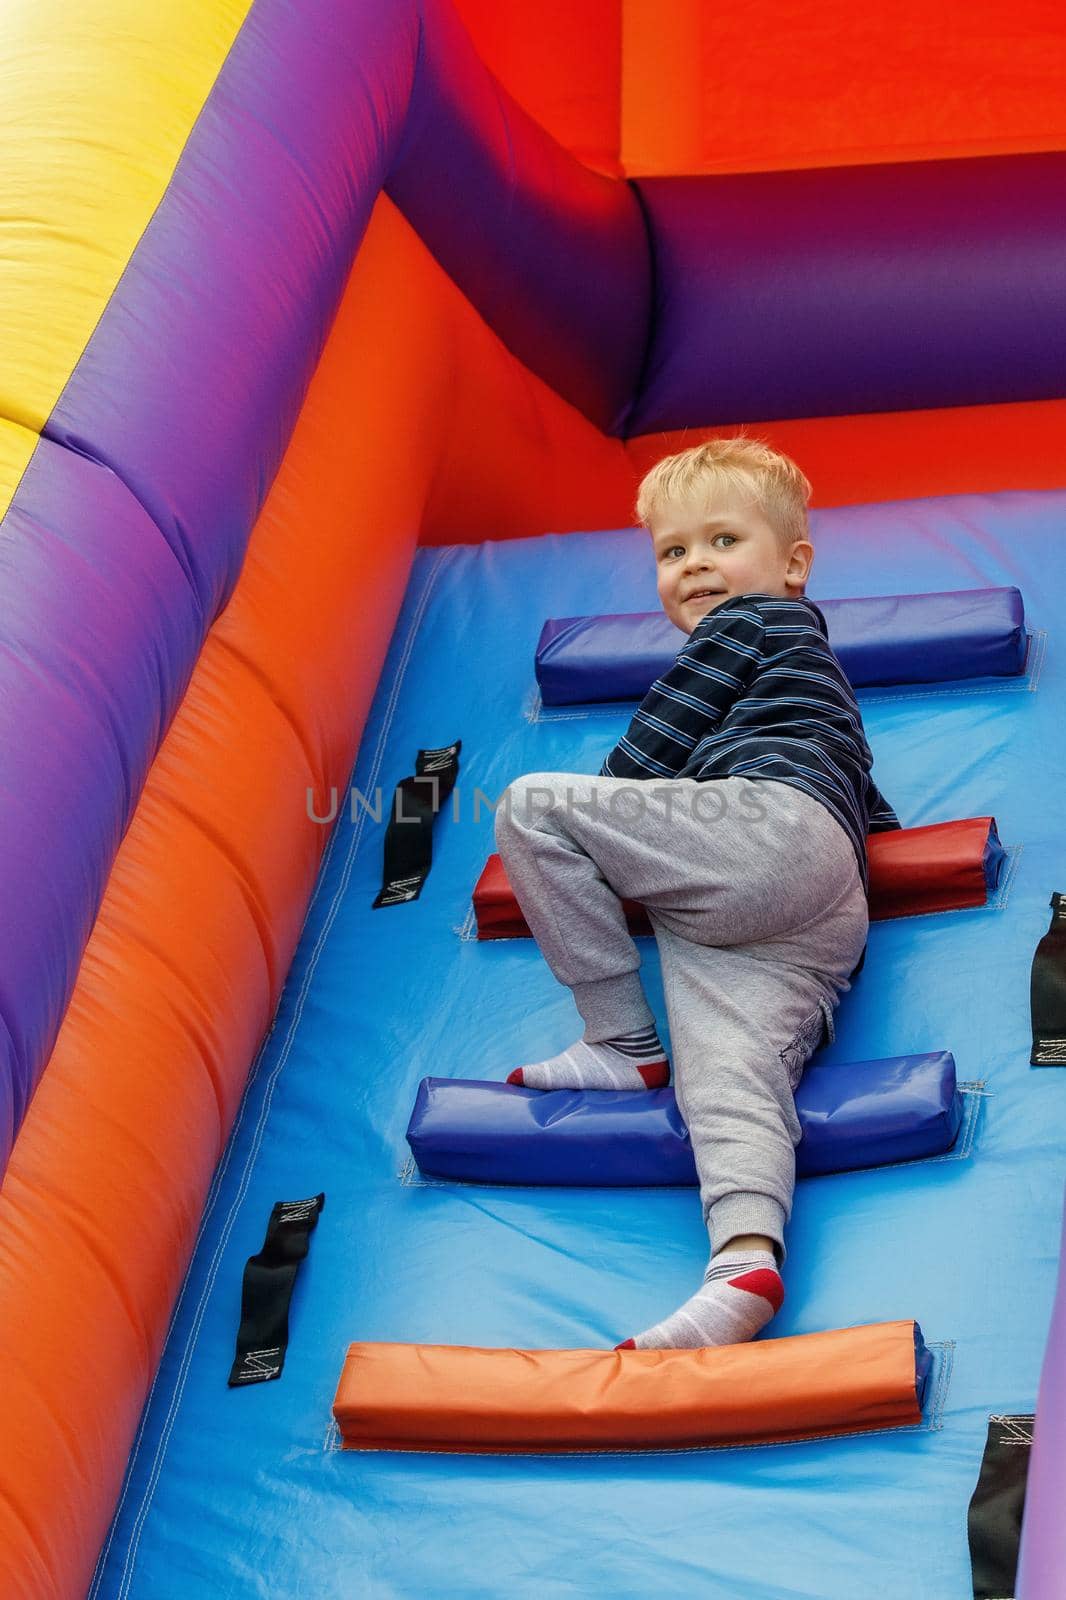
(246, 1492)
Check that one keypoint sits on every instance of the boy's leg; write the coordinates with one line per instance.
(562, 839)
(721, 863)
(559, 873)
(744, 1021)
(715, 862)
(742, 1031)
(732, 1023)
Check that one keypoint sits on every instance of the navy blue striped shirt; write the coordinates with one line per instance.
(757, 692)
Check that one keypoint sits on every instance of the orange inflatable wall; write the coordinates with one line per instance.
(418, 421)
(630, 85)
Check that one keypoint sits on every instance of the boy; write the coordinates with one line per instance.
(735, 809)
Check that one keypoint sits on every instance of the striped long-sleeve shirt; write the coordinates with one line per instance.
(756, 691)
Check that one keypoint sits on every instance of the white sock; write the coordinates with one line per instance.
(741, 1291)
(630, 1061)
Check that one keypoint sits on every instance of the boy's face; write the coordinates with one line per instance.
(716, 546)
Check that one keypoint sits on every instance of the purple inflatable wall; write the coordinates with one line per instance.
(126, 536)
(869, 288)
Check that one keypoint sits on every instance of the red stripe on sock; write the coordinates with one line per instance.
(656, 1075)
(761, 1281)
(516, 1077)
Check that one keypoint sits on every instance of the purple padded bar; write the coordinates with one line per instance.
(852, 1114)
(120, 549)
(888, 639)
(99, 629)
(849, 289)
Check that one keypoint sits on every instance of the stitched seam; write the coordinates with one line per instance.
(803, 1045)
(1002, 894)
(209, 1206)
(827, 911)
(162, 1443)
(1021, 683)
(995, 904)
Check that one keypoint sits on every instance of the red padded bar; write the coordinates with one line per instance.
(940, 867)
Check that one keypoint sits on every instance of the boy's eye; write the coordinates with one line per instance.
(679, 549)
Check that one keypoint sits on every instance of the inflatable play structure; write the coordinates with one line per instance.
(336, 337)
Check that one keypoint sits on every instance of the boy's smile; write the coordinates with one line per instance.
(707, 551)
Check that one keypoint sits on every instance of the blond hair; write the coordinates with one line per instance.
(776, 482)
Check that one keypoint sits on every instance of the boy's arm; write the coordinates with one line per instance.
(712, 671)
(882, 816)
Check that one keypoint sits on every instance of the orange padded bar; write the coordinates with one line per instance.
(462, 1398)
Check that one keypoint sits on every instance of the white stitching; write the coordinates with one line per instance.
(972, 1096)
(1007, 881)
(995, 904)
(1017, 1427)
(1024, 682)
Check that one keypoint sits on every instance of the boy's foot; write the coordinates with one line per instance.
(741, 1291)
(631, 1061)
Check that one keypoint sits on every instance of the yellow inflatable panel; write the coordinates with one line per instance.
(16, 447)
(96, 104)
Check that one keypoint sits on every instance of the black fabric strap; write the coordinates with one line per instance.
(263, 1335)
(1047, 991)
(995, 1518)
(409, 836)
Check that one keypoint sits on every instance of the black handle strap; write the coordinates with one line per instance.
(995, 1516)
(1047, 991)
(409, 835)
(263, 1336)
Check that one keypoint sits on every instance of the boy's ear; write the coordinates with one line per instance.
(800, 561)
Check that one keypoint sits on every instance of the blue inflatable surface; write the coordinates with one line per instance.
(244, 1492)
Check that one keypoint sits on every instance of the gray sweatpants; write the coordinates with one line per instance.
(755, 898)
